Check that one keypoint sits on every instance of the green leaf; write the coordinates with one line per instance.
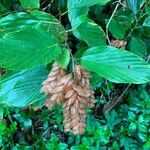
(128, 143)
(138, 47)
(62, 146)
(21, 51)
(2, 127)
(146, 23)
(50, 24)
(116, 65)
(115, 145)
(29, 4)
(77, 14)
(92, 124)
(142, 136)
(87, 3)
(131, 116)
(35, 19)
(81, 24)
(96, 80)
(20, 35)
(1, 112)
(18, 147)
(112, 119)
(54, 144)
(146, 146)
(2, 8)
(80, 147)
(23, 89)
(54, 138)
(142, 128)
(79, 53)
(132, 126)
(23, 120)
(7, 4)
(95, 35)
(119, 25)
(51, 146)
(64, 58)
(147, 9)
(134, 5)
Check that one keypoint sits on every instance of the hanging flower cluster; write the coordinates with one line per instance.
(73, 92)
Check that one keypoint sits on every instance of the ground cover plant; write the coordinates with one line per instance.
(74, 74)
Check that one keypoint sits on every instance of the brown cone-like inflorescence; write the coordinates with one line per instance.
(75, 94)
(119, 43)
(53, 87)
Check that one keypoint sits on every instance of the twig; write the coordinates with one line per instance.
(113, 104)
(64, 13)
(107, 26)
(48, 6)
(119, 2)
(135, 26)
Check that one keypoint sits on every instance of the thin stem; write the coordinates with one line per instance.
(48, 6)
(113, 104)
(107, 26)
(64, 13)
(135, 27)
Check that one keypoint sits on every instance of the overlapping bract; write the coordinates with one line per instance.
(119, 43)
(75, 95)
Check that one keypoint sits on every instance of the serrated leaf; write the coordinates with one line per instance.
(95, 35)
(49, 23)
(81, 23)
(35, 19)
(27, 48)
(64, 58)
(23, 88)
(116, 65)
(138, 47)
(119, 25)
(20, 35)
(30, 3)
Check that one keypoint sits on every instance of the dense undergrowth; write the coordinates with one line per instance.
(121, 116)
(125, 127)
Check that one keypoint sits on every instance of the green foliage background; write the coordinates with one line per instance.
(35, 33)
